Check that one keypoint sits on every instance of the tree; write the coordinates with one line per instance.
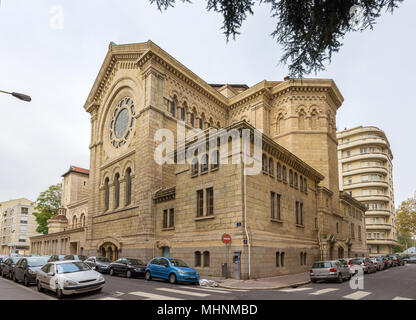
(310, 31)
(406, 217)
(47, 206)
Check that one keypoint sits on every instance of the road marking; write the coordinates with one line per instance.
(195, 294)
(401, 298)
(151, 296)
(108, 298)
(295, 289)
(357, 295)
(212, 290)
(323, 291)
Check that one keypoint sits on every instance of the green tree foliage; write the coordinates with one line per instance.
(309, 31)
(47, 206)
(406, 217)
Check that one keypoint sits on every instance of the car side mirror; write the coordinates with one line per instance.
(51, 274)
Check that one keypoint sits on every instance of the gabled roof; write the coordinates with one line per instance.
(74, 169)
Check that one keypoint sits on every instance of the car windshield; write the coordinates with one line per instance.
(178, 263)
(320, 265)
(136, 262)
(36, 262)
(15, 259)
(102, 259)
(72, 267)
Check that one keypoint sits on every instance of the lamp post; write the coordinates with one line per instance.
(19, 96)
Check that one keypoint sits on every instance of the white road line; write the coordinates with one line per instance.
(295, 289)
(357, 295)
(195, 294)
(401, 298)
(152, 296)
(212, 290)
(323, 291)
(108, 298)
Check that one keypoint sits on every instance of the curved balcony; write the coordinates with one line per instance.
(374, 169)
(379, 212)
(366, 184)
(383, 226)
(364, 156)
(371, 141)
(382, 241)
(373, 197)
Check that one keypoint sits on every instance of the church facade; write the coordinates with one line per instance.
(280, 220)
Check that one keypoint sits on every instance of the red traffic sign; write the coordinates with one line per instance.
(226, 238)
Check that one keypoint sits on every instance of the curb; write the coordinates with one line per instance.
(265, 288)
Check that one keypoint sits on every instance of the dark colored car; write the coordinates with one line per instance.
(7, 267)
(171, 269)
(56, 257)
(101, 264)
(397, 260)
(128, 267)
(75, 257)
(2, 259)
(26, 268)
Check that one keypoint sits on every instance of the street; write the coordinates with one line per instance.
(397, 283)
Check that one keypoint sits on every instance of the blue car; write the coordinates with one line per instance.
(171, 269)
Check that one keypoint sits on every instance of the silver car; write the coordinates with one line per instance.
(68, 277)
(330, 270)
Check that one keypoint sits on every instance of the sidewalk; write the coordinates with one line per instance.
(280, 282)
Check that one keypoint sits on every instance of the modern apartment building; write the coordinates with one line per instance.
(366, 173)
(17, 225)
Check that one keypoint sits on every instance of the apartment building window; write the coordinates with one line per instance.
(24, 210)
(295, 179)
(23, 219)
(350, 181)
(168, 218)
(282, 259)
(284, 173)
(301, 183)
(348, 154)
(271, 167)
(272, 206)
(210, 201)
(301, 213)
(200, 203)
(291, 177)
(206, 259)
(264, 163)
(363, 150)
(23, 228)
(171, 218)
(197, 259)
(278, 210)
(297, 212)
(277, 259)
(165, 219)
(305, 184)
(368, 235)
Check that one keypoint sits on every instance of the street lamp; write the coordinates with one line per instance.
(19, 96)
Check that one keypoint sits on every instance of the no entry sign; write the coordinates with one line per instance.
(226, 238)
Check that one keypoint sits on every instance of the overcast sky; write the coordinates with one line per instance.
(56, 61)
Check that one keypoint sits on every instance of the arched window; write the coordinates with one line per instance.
(301, 121)
(195, 165)
(296, 179)
(215, 158)
(284, 172)
(314, 121)
(128, 186)
(107, 194)
(82, 220)
(192, 120)
(279, 171)
(172, 108)
(271, 167)
(206, 259)
(204, 163)
(305, 185)
(264, 163)
(117, 191)
(183, 114)
(301, 183)
(74, 222)
(197, 259)
(291, 177)
(201, 124)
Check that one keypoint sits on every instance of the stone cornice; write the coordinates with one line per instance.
(57, 234)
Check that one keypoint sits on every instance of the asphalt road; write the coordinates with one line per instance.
(397, 283)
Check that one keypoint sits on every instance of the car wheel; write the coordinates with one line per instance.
(172, 278)
(340, 280)
(128, 274)
(111, 272)
(147, 276)
(26, 281)
(59, 293)
(40, 288)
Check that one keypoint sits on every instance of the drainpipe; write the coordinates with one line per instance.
(245, 219)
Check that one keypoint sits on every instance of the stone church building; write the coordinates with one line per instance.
(280, 220)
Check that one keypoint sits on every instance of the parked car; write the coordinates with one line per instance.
(75, 257)
(128, 266)
(397, 260)
(411, 260)
(26, 268)
(101, 264)
(68, 277)
(378, 263)
(2, 259)
(56, 257)
(349, 264)
(7, 267)
(367, 265)
(330, 270)
(171, 269)
(387, 262)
